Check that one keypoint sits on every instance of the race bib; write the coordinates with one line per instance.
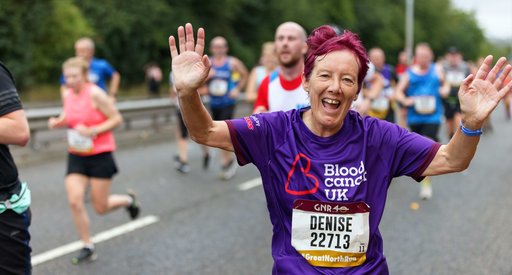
(425, 104)
(218, 87)
(380, 104)
(331, 234)
(455, 78)
(79, 143)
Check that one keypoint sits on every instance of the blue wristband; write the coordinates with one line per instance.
(470, 133)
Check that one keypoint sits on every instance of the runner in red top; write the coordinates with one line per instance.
(282, 89)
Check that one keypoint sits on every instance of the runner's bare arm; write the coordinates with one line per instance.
(242, 70)
(251, 90)
(190, 69)
(444, 89)
(400, 91)
(14, 128)
(114, 84)
(107, 107)
(57, 122)
(479, 95)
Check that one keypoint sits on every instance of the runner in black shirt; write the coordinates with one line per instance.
(14, 196)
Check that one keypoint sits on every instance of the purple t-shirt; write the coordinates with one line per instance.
(356, 164)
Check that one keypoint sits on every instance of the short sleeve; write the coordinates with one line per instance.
(9, 100)
(250, 138)
(108, 70)
(413, 154)
(403, 152)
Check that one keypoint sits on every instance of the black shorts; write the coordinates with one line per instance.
(426, 129)
(101, 166)
(223, 113)
(183, 127)
(451, 108)
(15, 242)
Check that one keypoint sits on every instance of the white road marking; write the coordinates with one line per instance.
(249, 184)
(100, 237)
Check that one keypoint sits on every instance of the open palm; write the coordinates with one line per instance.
(189, 66)
(479, 95)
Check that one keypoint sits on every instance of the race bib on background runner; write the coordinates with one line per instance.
(218, 87)
(380, 104)
(331, 234)
(79, 143)
(424, 104)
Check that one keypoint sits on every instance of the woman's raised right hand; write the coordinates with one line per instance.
(189, 66)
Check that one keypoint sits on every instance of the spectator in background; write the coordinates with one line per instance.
(15, 215)
(267, 64)
(99, 69)
(153, 79)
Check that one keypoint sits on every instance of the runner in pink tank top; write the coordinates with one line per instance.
(90, 115)
(79, 110)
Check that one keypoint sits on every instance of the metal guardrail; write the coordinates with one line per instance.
(130, 110)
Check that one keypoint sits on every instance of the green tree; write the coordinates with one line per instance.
(35, 37)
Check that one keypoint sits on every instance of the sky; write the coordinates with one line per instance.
(493, 16)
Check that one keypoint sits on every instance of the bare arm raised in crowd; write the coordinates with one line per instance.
(479, 95)
(190, 69)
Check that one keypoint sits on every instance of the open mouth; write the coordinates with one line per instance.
(331, 104)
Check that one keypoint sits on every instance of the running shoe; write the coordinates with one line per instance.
(181, 166)
(426, 189)
(229, 170)
(86, 254)
(134, 208)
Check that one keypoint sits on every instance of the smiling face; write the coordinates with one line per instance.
(332, 88)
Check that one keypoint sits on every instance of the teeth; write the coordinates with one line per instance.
(331, 101)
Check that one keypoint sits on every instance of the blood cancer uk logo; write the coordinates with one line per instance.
(305, 165)
(338, 180)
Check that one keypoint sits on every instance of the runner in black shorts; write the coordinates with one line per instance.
(100, 166)
(429, 130)
(181, 159)
(455, 70)
(90, 117)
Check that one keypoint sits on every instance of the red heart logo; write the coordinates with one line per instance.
(306, 172)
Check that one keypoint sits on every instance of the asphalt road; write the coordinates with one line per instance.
(209, 226)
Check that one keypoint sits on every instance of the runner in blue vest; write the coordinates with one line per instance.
(228, 77)
(419, 90)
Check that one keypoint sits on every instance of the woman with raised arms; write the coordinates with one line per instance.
(325, 169)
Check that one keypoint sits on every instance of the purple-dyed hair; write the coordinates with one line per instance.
(324, 40)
